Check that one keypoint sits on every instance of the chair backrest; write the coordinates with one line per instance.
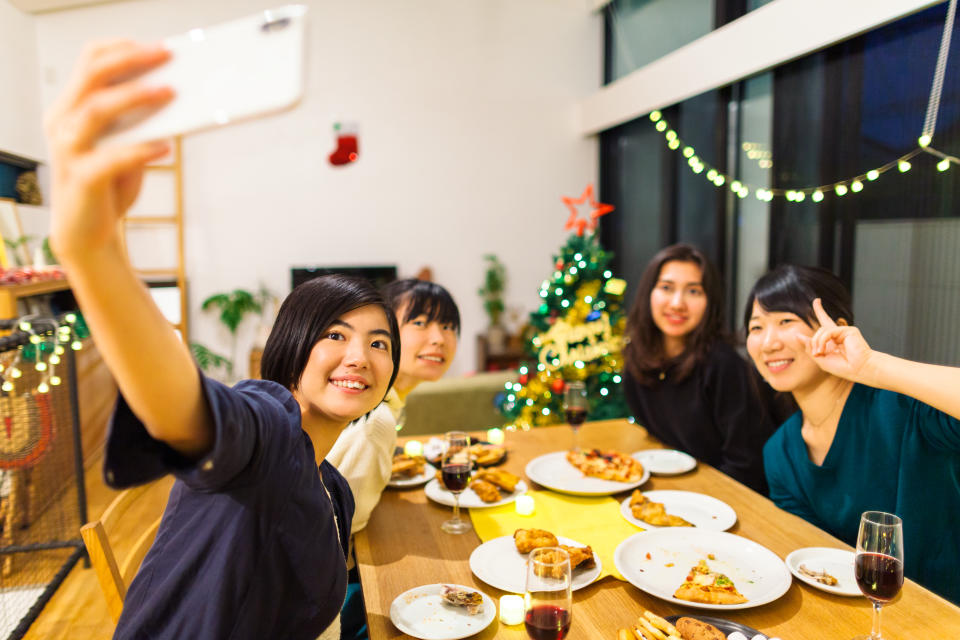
(114, 575)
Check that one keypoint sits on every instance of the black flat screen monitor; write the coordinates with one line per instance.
(378, 275)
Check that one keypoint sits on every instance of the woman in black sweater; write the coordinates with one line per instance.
(683, 380)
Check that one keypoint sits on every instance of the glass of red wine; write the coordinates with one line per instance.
(548, 604)
(575, 406)
(455, 472)
(879, 563)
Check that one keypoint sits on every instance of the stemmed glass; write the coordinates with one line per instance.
(879, 563)
(575, 406)
(547, 602)
(455, 471)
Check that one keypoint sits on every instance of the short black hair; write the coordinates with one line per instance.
(793, 288)
(307, 313)
(423, 298)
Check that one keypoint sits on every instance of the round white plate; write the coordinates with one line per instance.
(698, 509)
(468, 499)
(665, 462)
(836, 562)
(422, 613)
(554, 472)
(758, 573)
(405, 482)
(498, 563)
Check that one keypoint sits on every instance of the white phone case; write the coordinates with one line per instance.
(232, 71)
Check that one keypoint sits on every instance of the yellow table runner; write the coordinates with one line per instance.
(593, 521)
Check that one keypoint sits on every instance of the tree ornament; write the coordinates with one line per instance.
(558, 385)
(347, 150)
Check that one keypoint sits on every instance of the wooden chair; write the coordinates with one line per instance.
(114, 576)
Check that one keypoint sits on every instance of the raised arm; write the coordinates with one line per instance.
(842, 351)
(92, 189)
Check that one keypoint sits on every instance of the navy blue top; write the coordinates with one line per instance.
(891, 453)
(248, 546)
(715, 414)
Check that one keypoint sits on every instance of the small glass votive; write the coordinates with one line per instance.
(511, 609)
(495, 436)
(413, 448)
(524, 505)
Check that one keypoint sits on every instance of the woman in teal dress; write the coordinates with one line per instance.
(874, 432)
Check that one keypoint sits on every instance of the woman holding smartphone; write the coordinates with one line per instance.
(683, 380)
(253, 540)
(873, 433)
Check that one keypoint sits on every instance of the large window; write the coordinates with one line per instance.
(824, 118)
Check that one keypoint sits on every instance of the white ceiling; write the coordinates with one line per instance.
(48, 6)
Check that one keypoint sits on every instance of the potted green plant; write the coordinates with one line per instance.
(233, 307)
(494, 283)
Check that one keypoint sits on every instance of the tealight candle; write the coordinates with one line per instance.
(524, 505)
(511, 609)
(495, 436)
(413, 448)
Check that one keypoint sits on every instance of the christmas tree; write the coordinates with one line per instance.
(578, 332)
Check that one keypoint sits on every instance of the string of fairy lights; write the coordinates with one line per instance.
(47, 342)
(840, 188)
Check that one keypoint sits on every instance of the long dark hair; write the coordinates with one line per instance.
(423, 298)
(793, 288)
(644, 353)
(307, 312)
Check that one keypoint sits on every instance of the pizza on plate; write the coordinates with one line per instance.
(653, 513)
(708, 587)
(607, 465)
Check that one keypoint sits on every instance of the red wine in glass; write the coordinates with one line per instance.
(576, 416)
(456, 477)
(547, 622)
(879, 576)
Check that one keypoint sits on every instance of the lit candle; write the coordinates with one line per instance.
(524, 505)
(413, 448)
(511, 609)
(495, 436)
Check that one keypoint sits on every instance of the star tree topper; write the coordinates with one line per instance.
(597, 209)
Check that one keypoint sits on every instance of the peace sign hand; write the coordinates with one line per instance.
(838, 349)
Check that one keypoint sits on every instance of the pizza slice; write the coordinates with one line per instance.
(607, 465)
(653, 513)
(708, 587)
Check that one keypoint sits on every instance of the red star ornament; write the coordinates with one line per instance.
(597, 209)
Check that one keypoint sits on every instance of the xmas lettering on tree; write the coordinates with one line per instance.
(565, 344)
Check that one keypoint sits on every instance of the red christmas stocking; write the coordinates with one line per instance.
(347, 149)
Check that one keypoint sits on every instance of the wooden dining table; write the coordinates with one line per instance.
(403, 547)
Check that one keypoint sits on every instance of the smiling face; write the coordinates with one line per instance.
(428, 348)
(349, 369)
(778, 353)
(678, 303)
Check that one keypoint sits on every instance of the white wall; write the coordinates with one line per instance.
(20, 117)
(468, 138)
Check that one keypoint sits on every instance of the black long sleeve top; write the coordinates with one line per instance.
(715, 414)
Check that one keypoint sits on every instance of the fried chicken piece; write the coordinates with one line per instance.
(485, 491)
(484, 454)
(472, 600)
(529, 539)
(579, 557)
(503, 479)
(653, 512)
(409, 466)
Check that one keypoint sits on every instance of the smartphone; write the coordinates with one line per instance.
(226, 73)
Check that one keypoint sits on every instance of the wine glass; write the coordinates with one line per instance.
(575, 406)
(879, 563)
(455, 471)
(547, 602)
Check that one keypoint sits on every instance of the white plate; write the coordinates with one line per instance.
(468, 499)
(422, 613)
(836, 562)
(554, 472)
(404, 482)
(758, 573)
(665, 462)
(498, 563)
(698, 509)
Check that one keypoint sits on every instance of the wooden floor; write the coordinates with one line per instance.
(78, 610)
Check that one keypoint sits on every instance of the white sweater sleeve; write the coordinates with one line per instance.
(364, 455)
